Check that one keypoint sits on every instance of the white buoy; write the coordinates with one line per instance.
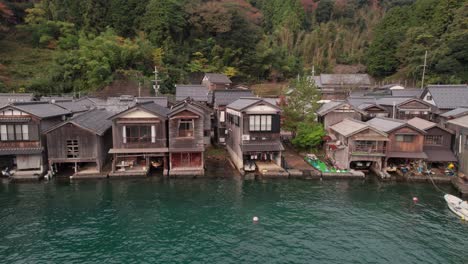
(255, 219)
(415, 199)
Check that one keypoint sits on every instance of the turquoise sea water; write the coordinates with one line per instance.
(210, 221)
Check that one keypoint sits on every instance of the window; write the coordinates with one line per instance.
(429, 97)
(14, 132)
(433, 140)
(236, 120)
(73, 150)
(260, 123)
(404, 138)
(222, 116)
(139, 134)
(186, 128)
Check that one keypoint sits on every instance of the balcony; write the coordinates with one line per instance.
(368, 150)
(144, 143)
(19, 144)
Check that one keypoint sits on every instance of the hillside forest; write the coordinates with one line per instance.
(63, 46)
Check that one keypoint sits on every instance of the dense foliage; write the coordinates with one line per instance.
(249, 40)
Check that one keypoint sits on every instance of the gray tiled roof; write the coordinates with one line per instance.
(392, 100)
(407, 92)
(348, 127)
(73, 107)
(217, 78)
(325, 108)
(455, 112)
(195, 91)
(95, 120)
(385, 124)
(225, 97)
(449, 96)
(262, 146)
(245, 102)
(160, 100)
(41, 109)
(155, 108)
(55, 99)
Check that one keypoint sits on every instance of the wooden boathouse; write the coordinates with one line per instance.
(82, 142)
(139, 140)
(187, 122)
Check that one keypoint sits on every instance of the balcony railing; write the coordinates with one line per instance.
(144, 143)
(19, 144)
(369, 149)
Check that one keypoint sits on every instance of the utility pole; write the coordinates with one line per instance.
(424, 70)
(156, 85)
(139, 88)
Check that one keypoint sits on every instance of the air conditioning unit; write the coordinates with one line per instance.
(264, 138)
(246, 137)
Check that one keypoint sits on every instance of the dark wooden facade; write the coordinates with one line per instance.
(249, 142)
(186, 123)
(406, 143)
(73, 144)
(414, 108)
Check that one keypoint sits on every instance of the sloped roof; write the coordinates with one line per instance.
(461, 121)
(73, 107)
(345, 79)
(348, 127)
(421, 123)
(41, 109)
(245, 102)
(95, 120)
(455, 112)
(327, 107)
(55, 99)
(225, 97)
(390, 100)
(449, 96)
(197, 92)
(160, 100)
(217, 78)
(154, 108)
(386, 124)
(407, 93)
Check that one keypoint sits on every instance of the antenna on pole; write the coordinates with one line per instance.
(156, 85)
(424, 70)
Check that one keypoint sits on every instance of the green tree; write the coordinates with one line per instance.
(301, 106)
(308, 136)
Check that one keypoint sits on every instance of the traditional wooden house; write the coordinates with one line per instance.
(22, 144)
(82, 141)
(221, 98)
(446, 97)
(187, 133)
(373, 110)
(356, 145)
(139, 140)
(336, 111)
(339, 86)
(405, 141)
(253, 138)
(407, 108)
(437, 141)
(216, 81)
(460, 143)
(443, 118)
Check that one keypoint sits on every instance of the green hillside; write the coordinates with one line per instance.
(57, 46)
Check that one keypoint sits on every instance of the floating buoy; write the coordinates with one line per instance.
(255, 219)
(415, 199)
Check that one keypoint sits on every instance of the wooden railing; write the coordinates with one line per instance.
(19, 144)
(145, 143)
(369, 149)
